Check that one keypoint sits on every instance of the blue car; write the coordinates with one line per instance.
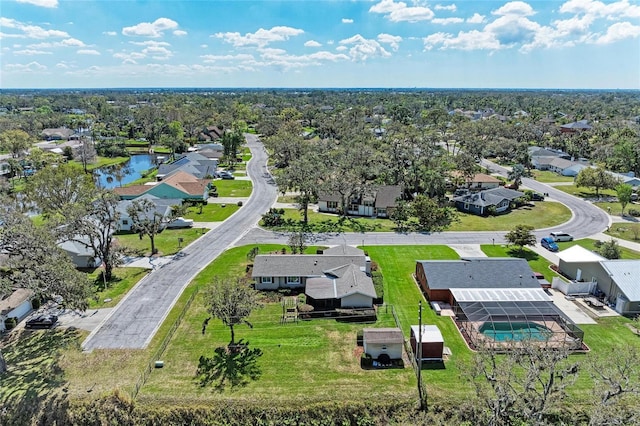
(549, 244)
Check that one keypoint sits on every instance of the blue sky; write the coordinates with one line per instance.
(381, 43)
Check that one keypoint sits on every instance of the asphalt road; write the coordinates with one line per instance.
(134, 322)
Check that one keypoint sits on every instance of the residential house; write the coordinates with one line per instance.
(558, 165)
(180, 185)
(616, 279)
(163, 208)
(575, 127)
(383, 342)
(378, 203)
(340, 277)
(438, 278)
(210, 133)
(193, 163)
(479, 181)
(628, 178)
(482, 203)
(80, 252)
(15, 305)
(57, 134)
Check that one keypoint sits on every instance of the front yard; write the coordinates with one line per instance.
(168, 242)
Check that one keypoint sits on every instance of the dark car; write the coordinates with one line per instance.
(549, 244)
(537, 197)
(42, 321)
(226, 175)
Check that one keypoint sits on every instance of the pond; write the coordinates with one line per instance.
(121, 174)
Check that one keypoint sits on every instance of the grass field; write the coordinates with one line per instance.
(122, 281)
(615, 208)
(546, 176)
(542, 215)
(167, 242)
(233, 188)
(584, 192)
(589, 245)
(211, 212)
(626, 231)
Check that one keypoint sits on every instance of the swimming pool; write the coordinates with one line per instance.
(503, 331)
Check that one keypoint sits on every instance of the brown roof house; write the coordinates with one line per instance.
(179, 185)
(378, 203)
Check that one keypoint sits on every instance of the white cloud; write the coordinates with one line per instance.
(88, 52)
(110, 33)
(31, 52)
(151, 43)
(261, 37)
(220, 58)
(619, 9)
(518, 8)
(399, 12)
(151, 29)
(619, 31)
(312, 43)
(204, 46)
(513, 29)
(472, 40)
(447, 21)
(29, 31)
(362, 49)
(449, 7)
(391, 40)
(347, 21)
(41, 3)
(74, 42)
(476, 19)
(30, 67)
(179, 33)
(342, 48)
(129, 57)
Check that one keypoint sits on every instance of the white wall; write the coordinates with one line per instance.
(394, 350)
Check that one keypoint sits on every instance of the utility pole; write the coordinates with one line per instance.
(423, 405)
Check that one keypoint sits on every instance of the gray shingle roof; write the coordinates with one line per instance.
(343, 250)
(479, 272)
(340, 282)
(300, 265)
(490, 197)
(382, 335)
(387, 195)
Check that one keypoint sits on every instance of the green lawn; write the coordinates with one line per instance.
(211, 212)
(167, 242)
(547, 176)
(233, 188)
(616, 208)
(626, 231)
(589, 244)
(543, 215)
(535, 261)
(584, 192)
(122, 281)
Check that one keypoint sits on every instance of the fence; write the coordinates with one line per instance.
(163, 346)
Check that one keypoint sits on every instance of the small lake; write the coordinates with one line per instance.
(119, 175)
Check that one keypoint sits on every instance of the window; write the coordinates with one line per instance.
(266, 280)
(353, 206)
(125, 222)
(368, 203)
(293, 280)
(332, 204)
(466, 206)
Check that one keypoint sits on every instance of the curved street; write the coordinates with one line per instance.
(135, 320)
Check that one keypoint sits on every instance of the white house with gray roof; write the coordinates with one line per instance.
(340, 277)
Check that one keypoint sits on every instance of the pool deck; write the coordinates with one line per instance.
(570, 308)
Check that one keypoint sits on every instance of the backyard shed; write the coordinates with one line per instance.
(432, 342)
(379, 341)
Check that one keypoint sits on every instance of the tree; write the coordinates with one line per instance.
(298, 242)
(431, 215)
(174, 139)
(401, 214)
(624, 192)
(17, 142)
(609, 249)
(86, 153)
(616, 385)
(516, 174)
(231, 142)
(596, 178)
(147, 220)
(521, 236)
(98, 222)
(525, 384)
(54, 189)
(231, 300)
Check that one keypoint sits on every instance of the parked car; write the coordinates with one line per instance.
(561, 236)
(180, 222)
(549, 244)
(42, 321)
(537, 197)
(226, 175)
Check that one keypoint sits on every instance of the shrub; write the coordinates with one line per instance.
(633, 212)
(35, 303)
(10, 323)
(366, 361)
(239, 203)
(597, 244)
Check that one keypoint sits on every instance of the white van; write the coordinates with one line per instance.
(561, 236)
